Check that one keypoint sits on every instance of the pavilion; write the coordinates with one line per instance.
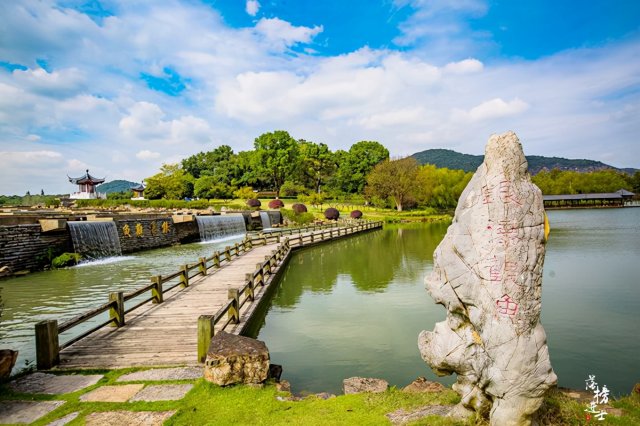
(138, 192)
(86, 187)
(610, 199)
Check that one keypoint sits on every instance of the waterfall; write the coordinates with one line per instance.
(266, 220)
(218, 227)
(94, 240)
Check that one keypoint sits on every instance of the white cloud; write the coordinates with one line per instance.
(62, 83)
(147, 155)
(496, 108)
(281, 34)
(466, 66)
(252, 7)
(15, 159)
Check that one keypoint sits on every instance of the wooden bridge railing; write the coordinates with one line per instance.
(257, 279)
(48, 332)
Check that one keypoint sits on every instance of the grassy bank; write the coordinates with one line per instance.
(208, 404)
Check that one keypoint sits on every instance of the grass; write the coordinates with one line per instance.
(208, 404)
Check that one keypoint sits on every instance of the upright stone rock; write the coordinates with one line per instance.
(488, 274)
(235, 359)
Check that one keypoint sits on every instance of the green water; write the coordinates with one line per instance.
(64, 293)
(355, 307)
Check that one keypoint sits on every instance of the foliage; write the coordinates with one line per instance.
(317, 164)
(440, 187)
(395, 179)
(299, 218)
(208, 186)
(332, 213)
(571, 182)
(171, 183)
(254, 203)
(355, 165)
(30, 200)
(299, 208)
(126, 195)
(245, 193)
(116, 186)
(290, 189)
(276, 157)
(315, 199)
(65, 260)
(276, 204)
(219, 162)
(356, 214)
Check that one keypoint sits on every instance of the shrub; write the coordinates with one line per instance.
(290, 189)
(299, 208)
(254, 203)
(244, 193)
(356, 214)
(65, 259)
(276, 204)
(331, 213)
(297, 218)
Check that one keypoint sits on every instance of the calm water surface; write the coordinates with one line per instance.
(355, 307)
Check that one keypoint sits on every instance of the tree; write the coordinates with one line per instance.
(210, 187)
(440, 187)
(276, 156)
(245, 193)
(217, 162)
(317, 164)
(355, 165)
(395, 179)
(171, 183)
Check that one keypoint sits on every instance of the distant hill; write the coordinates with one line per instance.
(469, 163)
(116, 186)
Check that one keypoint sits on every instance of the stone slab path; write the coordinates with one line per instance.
(52, 384)
(25, 411)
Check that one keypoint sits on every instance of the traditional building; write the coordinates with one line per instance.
(86, 187)
(619, 198)
(138, 192)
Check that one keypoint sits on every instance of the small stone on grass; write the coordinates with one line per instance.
(162, 393)
(52, 384)
(178, 373)
(120, 393)
(26, 411)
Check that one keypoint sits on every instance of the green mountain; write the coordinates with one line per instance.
(469, 163)
(116, 186)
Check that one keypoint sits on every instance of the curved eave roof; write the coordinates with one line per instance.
(87, 178)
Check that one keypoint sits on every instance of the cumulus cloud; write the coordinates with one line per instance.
(281, 34)
(20, 158)
(252, 7)
(496, 108)
(466, 66)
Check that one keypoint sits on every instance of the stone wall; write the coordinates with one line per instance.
(143, 234)
(27, 248)
(188, 232)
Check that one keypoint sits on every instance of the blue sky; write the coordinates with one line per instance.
(121, 87)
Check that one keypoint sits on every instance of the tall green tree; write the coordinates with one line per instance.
(218, 162)
(276, 157)
(171, 183)
(395, 179)
(355, 165)
(317, 164)
(211, 187)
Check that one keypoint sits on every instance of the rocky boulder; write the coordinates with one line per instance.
(421, 384)
(235, 359)
(363, 384)
(488, 275)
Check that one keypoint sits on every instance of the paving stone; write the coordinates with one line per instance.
(129, 418)
(120, 393)
(26, 411)
(179, 373)
(64, 420)
(162, 393)
(54, 384)
(401, 416)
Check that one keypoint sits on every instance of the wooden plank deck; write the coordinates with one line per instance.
(163, 334)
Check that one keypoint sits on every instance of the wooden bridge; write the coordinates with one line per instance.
(172, 320)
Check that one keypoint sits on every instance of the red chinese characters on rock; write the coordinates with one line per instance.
(507, 194)
(507, 306)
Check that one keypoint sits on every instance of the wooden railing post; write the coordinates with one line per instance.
(216, 259)
(259, 279)
(227, 253)
(250, 293)
(206, 330)
(278, 238)
(47, 344)
(234, 309)
(184, 276)
(116, 313)
(237, 250)
(202, 265)
(156, 290)
(267, 265)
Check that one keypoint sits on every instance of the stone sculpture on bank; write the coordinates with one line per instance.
(488, 275)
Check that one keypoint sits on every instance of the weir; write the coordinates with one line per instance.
(216, 227)
(265, 219)
(95, 240)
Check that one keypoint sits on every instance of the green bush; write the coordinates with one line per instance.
(297, 218)
(65, 259)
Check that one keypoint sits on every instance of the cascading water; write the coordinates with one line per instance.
(94, 240)
(217, 227)
(266, 220)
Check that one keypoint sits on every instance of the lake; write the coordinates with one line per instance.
(355, 307)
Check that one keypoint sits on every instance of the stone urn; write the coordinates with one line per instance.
(8, 359)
